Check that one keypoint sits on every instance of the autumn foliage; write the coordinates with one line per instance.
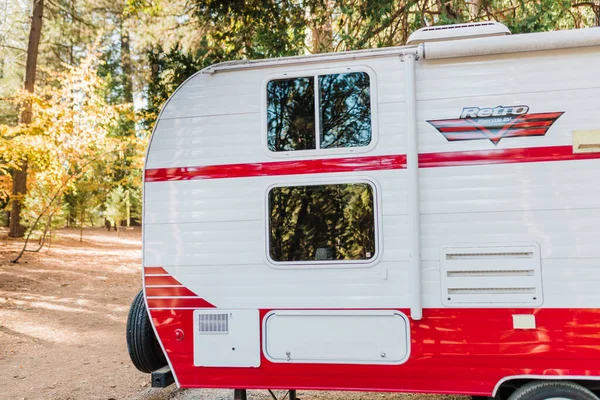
(69, 145)
(105, 68)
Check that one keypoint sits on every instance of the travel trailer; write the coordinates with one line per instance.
(423, 218)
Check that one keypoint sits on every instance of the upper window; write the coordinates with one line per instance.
(336, 113)
(322, 222)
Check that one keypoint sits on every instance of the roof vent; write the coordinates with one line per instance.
(458, 31)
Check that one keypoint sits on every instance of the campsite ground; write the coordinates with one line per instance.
(62, 323)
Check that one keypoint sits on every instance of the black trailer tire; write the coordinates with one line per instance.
(144, 349)
(544, 390)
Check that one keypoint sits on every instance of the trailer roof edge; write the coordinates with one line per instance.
(305, 59)
(528, 42)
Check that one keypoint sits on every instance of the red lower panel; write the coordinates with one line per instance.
(465, 351)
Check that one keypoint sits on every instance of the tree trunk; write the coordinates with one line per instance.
(81, 223)
(126, 65)
(128, 207)
(19, 186)
(321, 28)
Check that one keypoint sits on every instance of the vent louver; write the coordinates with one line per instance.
(491, 275)
(213, 323)
(457, 31)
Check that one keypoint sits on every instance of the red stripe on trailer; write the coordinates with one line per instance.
(502, 156)
(169, 291)
(160, 280)
(300, 167)
(453, 351)
(196, 302)
(155, 271)
(375, 163)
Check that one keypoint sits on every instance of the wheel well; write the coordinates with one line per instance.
(508, 387)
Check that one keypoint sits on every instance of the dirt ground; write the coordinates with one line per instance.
(62, 323)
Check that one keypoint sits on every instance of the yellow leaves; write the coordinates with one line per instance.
(5, 186)
(69, 130)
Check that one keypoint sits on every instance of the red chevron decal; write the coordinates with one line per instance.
(495, 124)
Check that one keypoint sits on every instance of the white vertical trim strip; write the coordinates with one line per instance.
(414, 205)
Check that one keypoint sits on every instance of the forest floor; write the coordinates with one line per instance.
(63, 312)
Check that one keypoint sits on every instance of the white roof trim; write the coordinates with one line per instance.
(296, 60)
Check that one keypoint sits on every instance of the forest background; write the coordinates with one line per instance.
(82, 81)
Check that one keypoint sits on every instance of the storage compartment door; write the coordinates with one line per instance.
(338, 337)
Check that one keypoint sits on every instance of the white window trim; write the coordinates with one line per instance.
(318, 152)
(326, 264)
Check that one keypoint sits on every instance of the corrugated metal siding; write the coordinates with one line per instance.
(211, 234)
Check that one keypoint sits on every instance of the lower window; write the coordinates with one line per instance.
(331, 222)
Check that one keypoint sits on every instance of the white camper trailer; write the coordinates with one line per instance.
(422, 218)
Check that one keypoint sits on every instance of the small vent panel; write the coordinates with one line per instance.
(226, 338)
(491, 275)
(213, 323)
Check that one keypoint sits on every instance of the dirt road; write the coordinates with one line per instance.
(62, 323)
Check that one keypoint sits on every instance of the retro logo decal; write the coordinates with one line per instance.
(495, 123)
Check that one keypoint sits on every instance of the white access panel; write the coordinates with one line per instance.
(336, 336)
(226, 338)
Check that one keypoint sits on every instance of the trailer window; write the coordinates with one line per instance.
(340, 118)
(345, 110)
(291, 115)
(321, 223)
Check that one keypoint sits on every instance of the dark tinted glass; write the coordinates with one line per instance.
(291, 114)
(322, 222)
(345, 110)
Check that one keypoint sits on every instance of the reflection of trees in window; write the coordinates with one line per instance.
(345, 110)
(291, 114)
(322, 222)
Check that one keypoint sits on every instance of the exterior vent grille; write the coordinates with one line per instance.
(457, 31)
(213, 323)
(483, 256)
(492, 272)
(456, 26)
(491, 275)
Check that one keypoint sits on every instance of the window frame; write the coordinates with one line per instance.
(315, 73)
(325, 264)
